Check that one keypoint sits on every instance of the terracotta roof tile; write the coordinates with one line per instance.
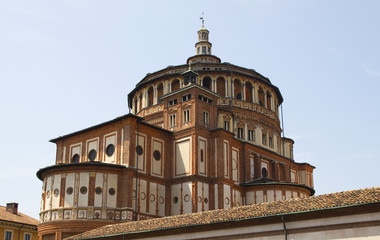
(18, 218)
(320, 202)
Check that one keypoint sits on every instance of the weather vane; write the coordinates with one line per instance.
(203, 21)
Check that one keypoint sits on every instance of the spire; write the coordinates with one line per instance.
(203, 46)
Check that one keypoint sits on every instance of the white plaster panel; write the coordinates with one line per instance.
(161, 200)
(302, 177)
(235, 164)
(250, 197)
(237, 201)
(76, 149)
(48, 193)
(202, 156)
(182, 157)
(259, 197)
(293, 176)
(83, 182)
(176, 193)
(56, 185)
(44, 194)
(157, 165)
(92, 144)
(288, 194)
(112, 183)
(270, 195)
(227, 196)
(98, 199)
(187, 197)
(279, 195)
(143, 195)
(141, 140)
(64, 156)
(134, 193)
(153, 194)
(110, 138)
(295, 194)
(200, 196)
(252, 163)
(69, 199)
(225, 159)
(206, 196)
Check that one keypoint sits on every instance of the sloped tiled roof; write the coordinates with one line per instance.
(18, 218)
(292, 206)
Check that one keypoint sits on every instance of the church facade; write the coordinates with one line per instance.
(200, 136)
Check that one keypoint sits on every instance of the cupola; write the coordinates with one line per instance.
(203, 46)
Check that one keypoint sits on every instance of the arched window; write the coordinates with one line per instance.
(261, 96)
(269, 101)
(160, 91)
(248, 92)
(150, 96)
(206, 83)
(264, 172)
(140, 104)
(237, 89)
(135, 105)
(175, 85)
(221, 86)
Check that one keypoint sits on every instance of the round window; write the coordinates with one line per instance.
(92, 155)
(157, 155)
(110, 150)
(175, 200)
(206, 200)
(98, 190)
(48, 194)
(56, 192)
(111, 191)
(75, 158)
(139, 150)
(69, 190)
(83, 190)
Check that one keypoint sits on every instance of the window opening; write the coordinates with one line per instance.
(250, 135)
(240, 133)
(205, 118)
(172, 121)
(186, 116)
(227, 125)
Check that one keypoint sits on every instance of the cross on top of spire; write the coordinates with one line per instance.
(203, 21)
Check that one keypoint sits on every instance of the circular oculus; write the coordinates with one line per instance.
(92, 155)
(139, 150)
(110, 149)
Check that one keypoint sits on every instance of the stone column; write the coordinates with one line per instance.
(226, 87)
(243, 91)
(245, 131)
(257, 135)
(265, 99)
(155, 100)
(253, 94)
(138, 104)
(232, 87)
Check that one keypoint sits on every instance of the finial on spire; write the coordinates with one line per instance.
(203, 21)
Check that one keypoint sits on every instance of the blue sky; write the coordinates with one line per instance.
(67, 65)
